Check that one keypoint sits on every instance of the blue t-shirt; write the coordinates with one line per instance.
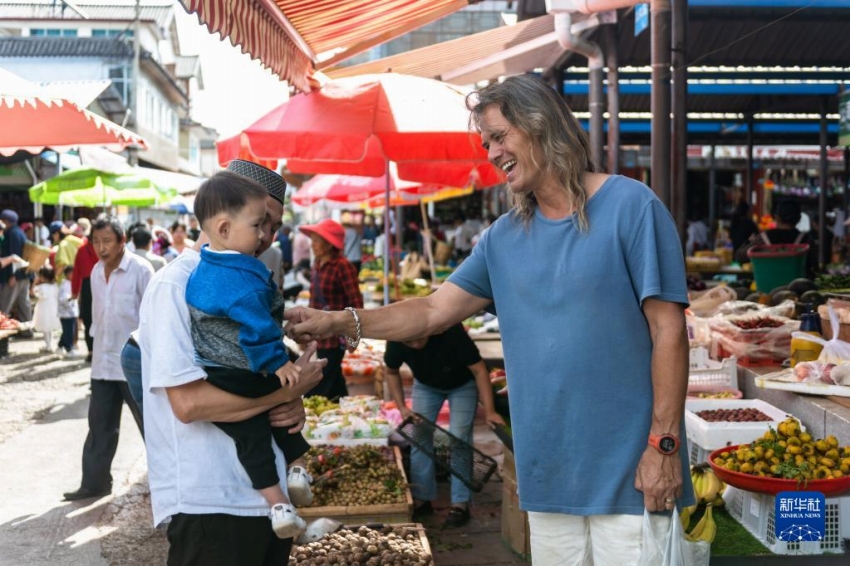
(576, 343)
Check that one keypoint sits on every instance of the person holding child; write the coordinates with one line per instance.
(46, 315)
(229, 524)
(237, 317)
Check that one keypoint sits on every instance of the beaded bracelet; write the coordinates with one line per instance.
(354, 342)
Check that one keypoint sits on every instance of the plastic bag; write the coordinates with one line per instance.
(834, 351)
(732, 337)
(672, 548)
(705, 304)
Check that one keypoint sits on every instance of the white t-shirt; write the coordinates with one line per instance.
(115, 312)
(192, 468)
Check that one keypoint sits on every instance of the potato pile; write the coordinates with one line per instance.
(789, 453)
(388, 546)
(357, 475)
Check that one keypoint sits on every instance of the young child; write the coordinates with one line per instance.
(237, 316)
(46, 315)
(68, 314)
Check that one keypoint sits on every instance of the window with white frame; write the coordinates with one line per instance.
(52, 32)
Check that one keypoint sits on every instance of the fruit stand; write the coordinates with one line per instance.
(358, 485)
(8, 328)
(403, 544)
(749, 499)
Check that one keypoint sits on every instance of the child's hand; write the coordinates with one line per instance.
(289, 374)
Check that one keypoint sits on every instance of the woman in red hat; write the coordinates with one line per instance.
(334, 285)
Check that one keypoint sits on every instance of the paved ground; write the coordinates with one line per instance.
(43, 406)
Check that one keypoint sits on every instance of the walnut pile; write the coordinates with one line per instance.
(388, 546)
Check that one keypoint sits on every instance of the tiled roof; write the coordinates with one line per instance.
(64, 47)
(159, 11)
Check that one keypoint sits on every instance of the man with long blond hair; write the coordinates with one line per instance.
(588, 278)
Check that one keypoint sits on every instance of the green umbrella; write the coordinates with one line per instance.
(90, 188)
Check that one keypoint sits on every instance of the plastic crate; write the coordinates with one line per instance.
(777, 264)
(756, 512)
(715, 374)
(714, 435)
(696, 453)
(450, 453)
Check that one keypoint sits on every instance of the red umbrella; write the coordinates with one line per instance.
(355, 125)
(33, 121)
(455, 173)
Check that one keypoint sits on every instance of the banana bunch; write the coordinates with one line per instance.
(705, 529)
(708, 488)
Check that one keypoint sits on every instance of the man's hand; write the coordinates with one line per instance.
(289, 415)
(659, 477)
(305, 324)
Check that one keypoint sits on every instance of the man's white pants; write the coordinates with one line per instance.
(598, 540)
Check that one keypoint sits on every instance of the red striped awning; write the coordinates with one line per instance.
(289, 36)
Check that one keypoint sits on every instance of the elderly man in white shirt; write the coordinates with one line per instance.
(118, 282)
(196, 480)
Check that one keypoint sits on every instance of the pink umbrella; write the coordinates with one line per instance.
(33, 121)
(354, 188)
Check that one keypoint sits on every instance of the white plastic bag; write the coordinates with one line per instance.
(834, 351)
(671, 549)
(705, 303)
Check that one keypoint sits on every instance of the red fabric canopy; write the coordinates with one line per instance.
(32, 121)
(288, 35)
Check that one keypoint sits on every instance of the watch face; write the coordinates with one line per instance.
(667, 445)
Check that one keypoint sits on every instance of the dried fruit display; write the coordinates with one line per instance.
(387, 546)
(733, 415)
(356, 475)
(757, 322)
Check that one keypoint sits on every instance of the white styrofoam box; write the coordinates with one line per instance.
(714, 373)
(756, 512)
(713, 435)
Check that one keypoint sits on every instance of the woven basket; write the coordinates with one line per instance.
(36, 255)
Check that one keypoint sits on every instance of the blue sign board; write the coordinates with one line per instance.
(641, 18)
(800, 516)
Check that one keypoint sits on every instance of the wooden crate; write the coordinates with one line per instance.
(364, 514)
(516, 534)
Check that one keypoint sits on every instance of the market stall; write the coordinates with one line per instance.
(782, 424)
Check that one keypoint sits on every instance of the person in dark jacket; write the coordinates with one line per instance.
(14, 283)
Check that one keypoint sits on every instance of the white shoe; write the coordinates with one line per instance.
(47, 350)
(285, 521)
(73, 354)
(298, 485)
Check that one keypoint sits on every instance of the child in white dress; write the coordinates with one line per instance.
(46, 315)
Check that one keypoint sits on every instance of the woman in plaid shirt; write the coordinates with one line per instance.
(334, 285)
